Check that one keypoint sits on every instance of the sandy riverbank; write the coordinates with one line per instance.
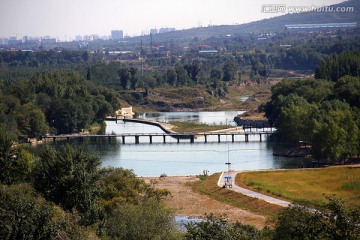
(188, 203)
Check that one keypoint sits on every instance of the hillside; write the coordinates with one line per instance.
(275, 24)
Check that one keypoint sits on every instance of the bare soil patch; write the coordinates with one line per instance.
(186, 202)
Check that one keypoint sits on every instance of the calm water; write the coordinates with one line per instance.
(213, 118)
(182, 159)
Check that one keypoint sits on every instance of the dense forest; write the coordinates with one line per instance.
(53, 102)
(323, 112)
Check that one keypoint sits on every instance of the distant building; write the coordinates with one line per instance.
(3, 41)
(319, 26)
(164, 30)
(48, 40)
(31, 40)
(125, 113)
(208, 51)
(78, 38)
(154, 31)
(14, 41)
(161, 30)
(95, 37)
(105, 37)
(117, 34)
(88, 38)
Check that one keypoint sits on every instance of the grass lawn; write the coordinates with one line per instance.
(208, 186)
(196, 127)
(308, 186)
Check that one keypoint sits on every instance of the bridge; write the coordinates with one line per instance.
(164, 136)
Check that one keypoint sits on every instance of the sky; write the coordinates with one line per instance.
(64, 19)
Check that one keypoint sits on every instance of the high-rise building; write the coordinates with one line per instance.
(117, 34)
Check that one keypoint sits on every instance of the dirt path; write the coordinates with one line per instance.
(251, 193)
(188, 203)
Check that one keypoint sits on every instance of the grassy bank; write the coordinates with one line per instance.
(208, 186)
(306, 186)
(196, 127)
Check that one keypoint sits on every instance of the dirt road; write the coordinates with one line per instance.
(188, 203)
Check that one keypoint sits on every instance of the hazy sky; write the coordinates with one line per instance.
(67, 18)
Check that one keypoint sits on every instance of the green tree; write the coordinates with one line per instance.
(218, 228)
(125, 78)
(348, 89)
(230, 71)
(337, 66)
(171, 77)
(335, 132)
(24, 215)
(193, 70)
(15, 164)
(148, 220)
(296, 114)
(134, 81)
(182, 76)
(68, 177)
(337, 222)
(215, 74)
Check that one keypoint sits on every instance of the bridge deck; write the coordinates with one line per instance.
(178, 136)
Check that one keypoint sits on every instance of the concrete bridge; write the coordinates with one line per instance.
(150, 136)
(191, 136)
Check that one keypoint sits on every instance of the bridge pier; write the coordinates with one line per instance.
(177, 136)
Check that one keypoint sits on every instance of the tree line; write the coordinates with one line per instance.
(63, 193)
(322, 112)
(53, 102)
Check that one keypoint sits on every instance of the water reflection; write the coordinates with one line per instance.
(184, 158)
(214, 118)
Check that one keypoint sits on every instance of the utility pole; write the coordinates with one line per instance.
(141, 58)
(228, 180)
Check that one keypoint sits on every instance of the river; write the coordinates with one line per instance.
(184, 158)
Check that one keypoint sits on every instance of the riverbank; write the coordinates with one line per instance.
(187, 202)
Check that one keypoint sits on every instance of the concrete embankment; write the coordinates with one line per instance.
(164, 126)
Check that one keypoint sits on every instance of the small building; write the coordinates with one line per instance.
(125, 113)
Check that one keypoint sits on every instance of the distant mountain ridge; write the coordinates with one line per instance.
(274, 24)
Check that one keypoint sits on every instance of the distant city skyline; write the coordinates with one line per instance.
(67, 19)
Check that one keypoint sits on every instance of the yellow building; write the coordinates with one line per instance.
(125, 113)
